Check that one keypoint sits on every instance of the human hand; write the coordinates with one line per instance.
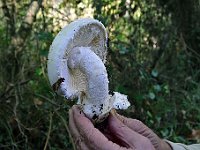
(118, 133)
(85, 135)
(138, 131)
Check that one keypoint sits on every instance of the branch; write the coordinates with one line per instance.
(26, 26)
(49, 131)
(12, 86)
(5, 9)
(67, 128)
(160, 52)
(46, 98)
(10, 19)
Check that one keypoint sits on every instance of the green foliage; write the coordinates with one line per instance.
(150, 58)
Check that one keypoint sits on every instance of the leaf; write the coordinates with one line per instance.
(44, 53)
(165, 132)
(152, 95)
(37, 101)
(45, 36)
(149, 114)
(38, 71)
(157, 87)
(195, 135)
(154, 73)
(166, 88)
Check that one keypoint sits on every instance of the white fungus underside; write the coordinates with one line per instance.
(81, 33)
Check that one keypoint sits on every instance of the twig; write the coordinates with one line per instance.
(9, 16)
(49, 131)
(187, 47)
(15, 112)
(17, 99)
(46, 98)
(12, 86)
(67, 128)
(193, 51)
(18, 41)
(57, 10)
(43, 17)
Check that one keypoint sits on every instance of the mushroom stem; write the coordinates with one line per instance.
(95, 100)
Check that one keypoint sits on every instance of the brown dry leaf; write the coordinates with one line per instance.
(37, 101)
(195, 135)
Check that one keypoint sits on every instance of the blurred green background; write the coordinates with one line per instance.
(154, 58)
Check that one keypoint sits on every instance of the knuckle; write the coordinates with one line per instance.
(148, 145)
(137, 125)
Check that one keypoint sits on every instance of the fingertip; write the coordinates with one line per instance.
(77, 111)
(115, 117)
(72, 109)
(80, 119)
(113, 122)
(113, 112)
(118, 116)
(122, 132)
(76, 107)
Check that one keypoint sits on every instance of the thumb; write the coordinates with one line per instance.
(140, 128)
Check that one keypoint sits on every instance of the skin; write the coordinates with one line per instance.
(116, 133)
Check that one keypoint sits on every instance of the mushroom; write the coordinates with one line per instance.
(76, 68)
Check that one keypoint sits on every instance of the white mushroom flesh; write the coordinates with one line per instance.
(95, 100)
(76, 68)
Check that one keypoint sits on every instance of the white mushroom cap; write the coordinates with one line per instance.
(82, 32)
(76, 67)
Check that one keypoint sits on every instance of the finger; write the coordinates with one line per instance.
(112, 137)
(72, 126)
(134, 124)
(109, 135)
(77, 138)
(94, 138)
(131, 138)
(140, 128)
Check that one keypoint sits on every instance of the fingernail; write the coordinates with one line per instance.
(113, 112)
(115, 115)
